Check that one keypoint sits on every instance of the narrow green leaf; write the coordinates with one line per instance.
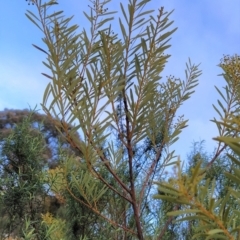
(100, 24)
(166, 35)
(190, 218)
(171, 163)
(217, 236)
(234, 159)
(233, 178)
(90, 19)
(124, 13)
(214, 231)
(219, 113)
(40, 49)
(50, 3)
(144, 13)
(220, 104)
(186, 211)
(46, 75)
(33, 21)
(47, 93)
(54, 14)
(33, 15)
(221, 94)
(123, 30)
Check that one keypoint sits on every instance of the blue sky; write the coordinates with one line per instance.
(207, 29)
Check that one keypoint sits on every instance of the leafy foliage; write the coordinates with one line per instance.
(108, 84)
(217, 213)
(29, 149)
(22, 193)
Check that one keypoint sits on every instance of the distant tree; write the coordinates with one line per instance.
(39, 123)
(22, 191)
(31, 146)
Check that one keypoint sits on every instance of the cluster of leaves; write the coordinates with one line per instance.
(202, 196)
(109, 86)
